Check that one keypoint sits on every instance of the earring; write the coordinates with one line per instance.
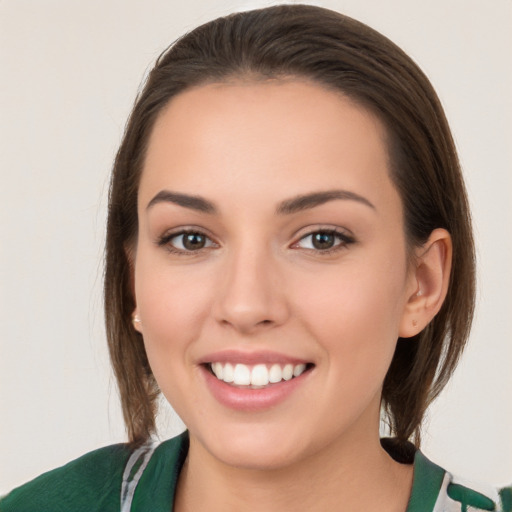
(136, 321)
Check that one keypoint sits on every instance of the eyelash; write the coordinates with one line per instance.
(344, 241)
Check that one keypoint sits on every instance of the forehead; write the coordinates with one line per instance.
(279, 138)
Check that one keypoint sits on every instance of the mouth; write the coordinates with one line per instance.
(256, 376)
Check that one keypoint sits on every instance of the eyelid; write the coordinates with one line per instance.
(320, 228)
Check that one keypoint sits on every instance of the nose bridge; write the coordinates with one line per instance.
(251, 294)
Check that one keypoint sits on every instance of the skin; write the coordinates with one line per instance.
(259, 284)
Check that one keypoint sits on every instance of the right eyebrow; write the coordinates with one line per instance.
(187, 201)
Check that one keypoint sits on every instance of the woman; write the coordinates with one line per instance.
(289, 251)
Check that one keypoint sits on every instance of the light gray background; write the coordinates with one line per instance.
(69, 73)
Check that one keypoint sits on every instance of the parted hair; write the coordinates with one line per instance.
(343, 55)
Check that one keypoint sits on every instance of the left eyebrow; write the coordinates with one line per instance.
(307, 201)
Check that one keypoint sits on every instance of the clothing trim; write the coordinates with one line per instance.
(136, 463)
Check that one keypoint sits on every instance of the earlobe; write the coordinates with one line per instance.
(137, 324)
(430, 277)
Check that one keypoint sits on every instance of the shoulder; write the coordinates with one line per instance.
(91, 482)
(110, 479)
(449, 493)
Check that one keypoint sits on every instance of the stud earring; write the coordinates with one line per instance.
(136, 321)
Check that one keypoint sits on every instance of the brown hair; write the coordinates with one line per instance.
(344, 55)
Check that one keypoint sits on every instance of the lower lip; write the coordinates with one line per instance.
(246, 399)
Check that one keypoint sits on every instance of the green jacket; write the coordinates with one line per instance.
(117, 479)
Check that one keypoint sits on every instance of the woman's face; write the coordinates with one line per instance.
(270, 241)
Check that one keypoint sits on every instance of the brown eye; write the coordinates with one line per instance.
(323, 240)
(193, 241)
(186, 242)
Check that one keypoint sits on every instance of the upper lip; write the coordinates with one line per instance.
(251, 357)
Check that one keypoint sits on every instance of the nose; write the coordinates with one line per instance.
(251, 296)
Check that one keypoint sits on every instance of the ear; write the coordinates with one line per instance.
(429, 280)
(137, 324)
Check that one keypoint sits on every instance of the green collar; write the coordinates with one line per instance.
(428, 478)
(157, 486)
(169, 456)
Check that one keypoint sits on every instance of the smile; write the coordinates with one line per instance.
(254, 381)
(256, 376)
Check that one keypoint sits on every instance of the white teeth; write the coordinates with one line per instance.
(299, 369)
(288, 372)
(242, 375)
(275, 374)
(259, 375)
(228, 373)
(217, 369)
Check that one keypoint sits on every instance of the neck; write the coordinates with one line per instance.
(353, 474)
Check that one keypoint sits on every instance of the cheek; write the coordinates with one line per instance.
(354, 313)
(172, 305)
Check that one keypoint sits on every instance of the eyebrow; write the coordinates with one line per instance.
(304, 202)
(193, 202)
(287, 207)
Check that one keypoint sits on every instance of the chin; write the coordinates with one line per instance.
(254, 448)
(256, 458)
